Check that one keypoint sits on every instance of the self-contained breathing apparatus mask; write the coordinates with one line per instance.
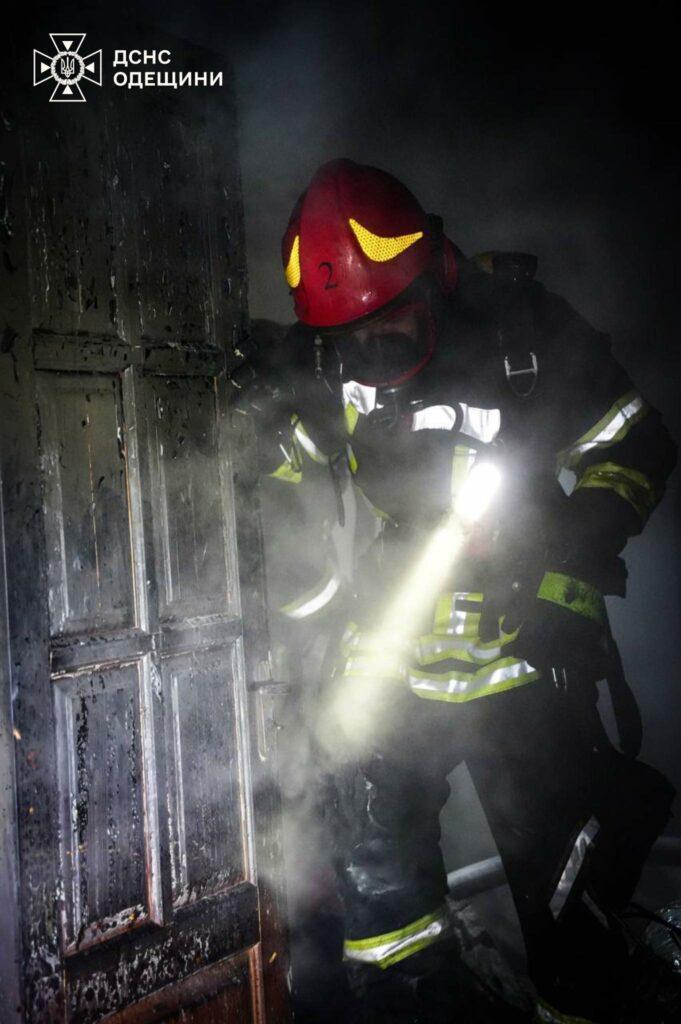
(390, 347)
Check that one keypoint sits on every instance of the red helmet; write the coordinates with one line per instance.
(357, 238)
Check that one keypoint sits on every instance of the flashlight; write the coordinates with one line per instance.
(477, 492)
(358, 707)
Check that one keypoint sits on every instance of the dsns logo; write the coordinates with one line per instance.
(67, 68)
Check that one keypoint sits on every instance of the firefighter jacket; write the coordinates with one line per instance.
(522, 378)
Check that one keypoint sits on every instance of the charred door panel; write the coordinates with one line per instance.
(87, 517)
(192, 540)
(110, 833)
(74, 234)
(134, 616)
(207, 829)
(176, 302)
(147, 679)
(110, 979)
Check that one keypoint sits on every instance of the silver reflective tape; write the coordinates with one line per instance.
(306, 442)
(460, 620)
(482, 424)
(465, 686)
(314, 600)
(360, 395)
(385, 953)
(617, 422)
(573, 866)
(435, 417)
(429, 648)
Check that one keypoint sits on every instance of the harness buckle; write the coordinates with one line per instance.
(532, 370)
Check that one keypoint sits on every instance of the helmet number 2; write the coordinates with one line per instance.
(329, 283)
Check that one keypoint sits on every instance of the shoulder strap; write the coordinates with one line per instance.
(514, 300)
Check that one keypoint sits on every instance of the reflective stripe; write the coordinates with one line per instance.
(455, 637)
(388, 949)
(458, 686)
(352, 461)
(547, 1014)
(425, 662)
(313, 600)
(482, 424)
(291, 469)
(573, 866)
(435, 648)
(307, 444)
(575, 595)
(351, 417)
(434, 417)
(287, 473)
(613, 427)
(455, 686)
(360, 395)
(453, 621)
(631, 485)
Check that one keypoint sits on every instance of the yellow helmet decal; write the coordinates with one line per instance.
(292, 271)
(380, 249)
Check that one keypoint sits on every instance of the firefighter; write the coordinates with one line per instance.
(479, 629)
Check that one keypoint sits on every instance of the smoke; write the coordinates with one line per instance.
(524, 134)
(520, 141)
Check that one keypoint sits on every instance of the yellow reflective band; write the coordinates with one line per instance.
(352, 461)
(455, 637)
(547, 1014)
(629, 484)
(351, 418)
(378, 248)
(457, 687)
(292, 271)
(307, 444)
(613, 427)
(291, 469)
(390, 948)
(288, 473)
(575, 595)
(451, 621)
(432, 649)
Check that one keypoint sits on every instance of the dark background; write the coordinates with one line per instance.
(553, 131)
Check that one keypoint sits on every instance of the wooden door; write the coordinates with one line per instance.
(134, 605)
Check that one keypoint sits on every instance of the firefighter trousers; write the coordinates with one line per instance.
(573, 821)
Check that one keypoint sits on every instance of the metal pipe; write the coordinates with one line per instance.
(487, 874)
(476, 877)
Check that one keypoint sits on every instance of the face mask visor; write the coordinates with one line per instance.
(388, 349)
